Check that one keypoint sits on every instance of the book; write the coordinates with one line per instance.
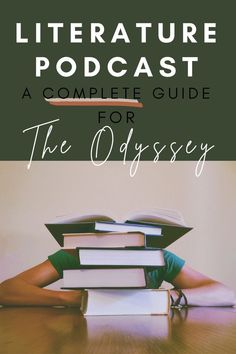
(105, 278)
(129, 226)
(126, 302)
(121, 257)
(160, 222)
(117, 239)
(104, 240)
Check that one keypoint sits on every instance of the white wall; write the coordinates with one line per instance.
(208, 203)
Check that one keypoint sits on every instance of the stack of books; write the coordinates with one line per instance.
(114, 259)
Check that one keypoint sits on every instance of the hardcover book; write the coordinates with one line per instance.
(104, 240)
(121, 257)
(100, 277)
(125, 302)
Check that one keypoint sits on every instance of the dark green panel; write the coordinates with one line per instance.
(165, 120)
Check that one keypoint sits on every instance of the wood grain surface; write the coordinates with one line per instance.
(44, 330)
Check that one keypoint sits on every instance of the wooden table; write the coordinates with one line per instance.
(44, 330)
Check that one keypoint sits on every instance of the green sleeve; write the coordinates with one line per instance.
(62, 260)
(173, 265)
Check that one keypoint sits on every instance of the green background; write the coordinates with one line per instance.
(202, 121)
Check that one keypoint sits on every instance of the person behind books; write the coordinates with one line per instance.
(27, 288)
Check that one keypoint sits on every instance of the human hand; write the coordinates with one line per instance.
(72, 298)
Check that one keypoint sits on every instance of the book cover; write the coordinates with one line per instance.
(111, 109)
(133, 256)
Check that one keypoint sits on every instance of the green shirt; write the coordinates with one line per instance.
(62, 260)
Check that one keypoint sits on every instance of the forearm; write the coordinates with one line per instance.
(214, 294)
(17, 292)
